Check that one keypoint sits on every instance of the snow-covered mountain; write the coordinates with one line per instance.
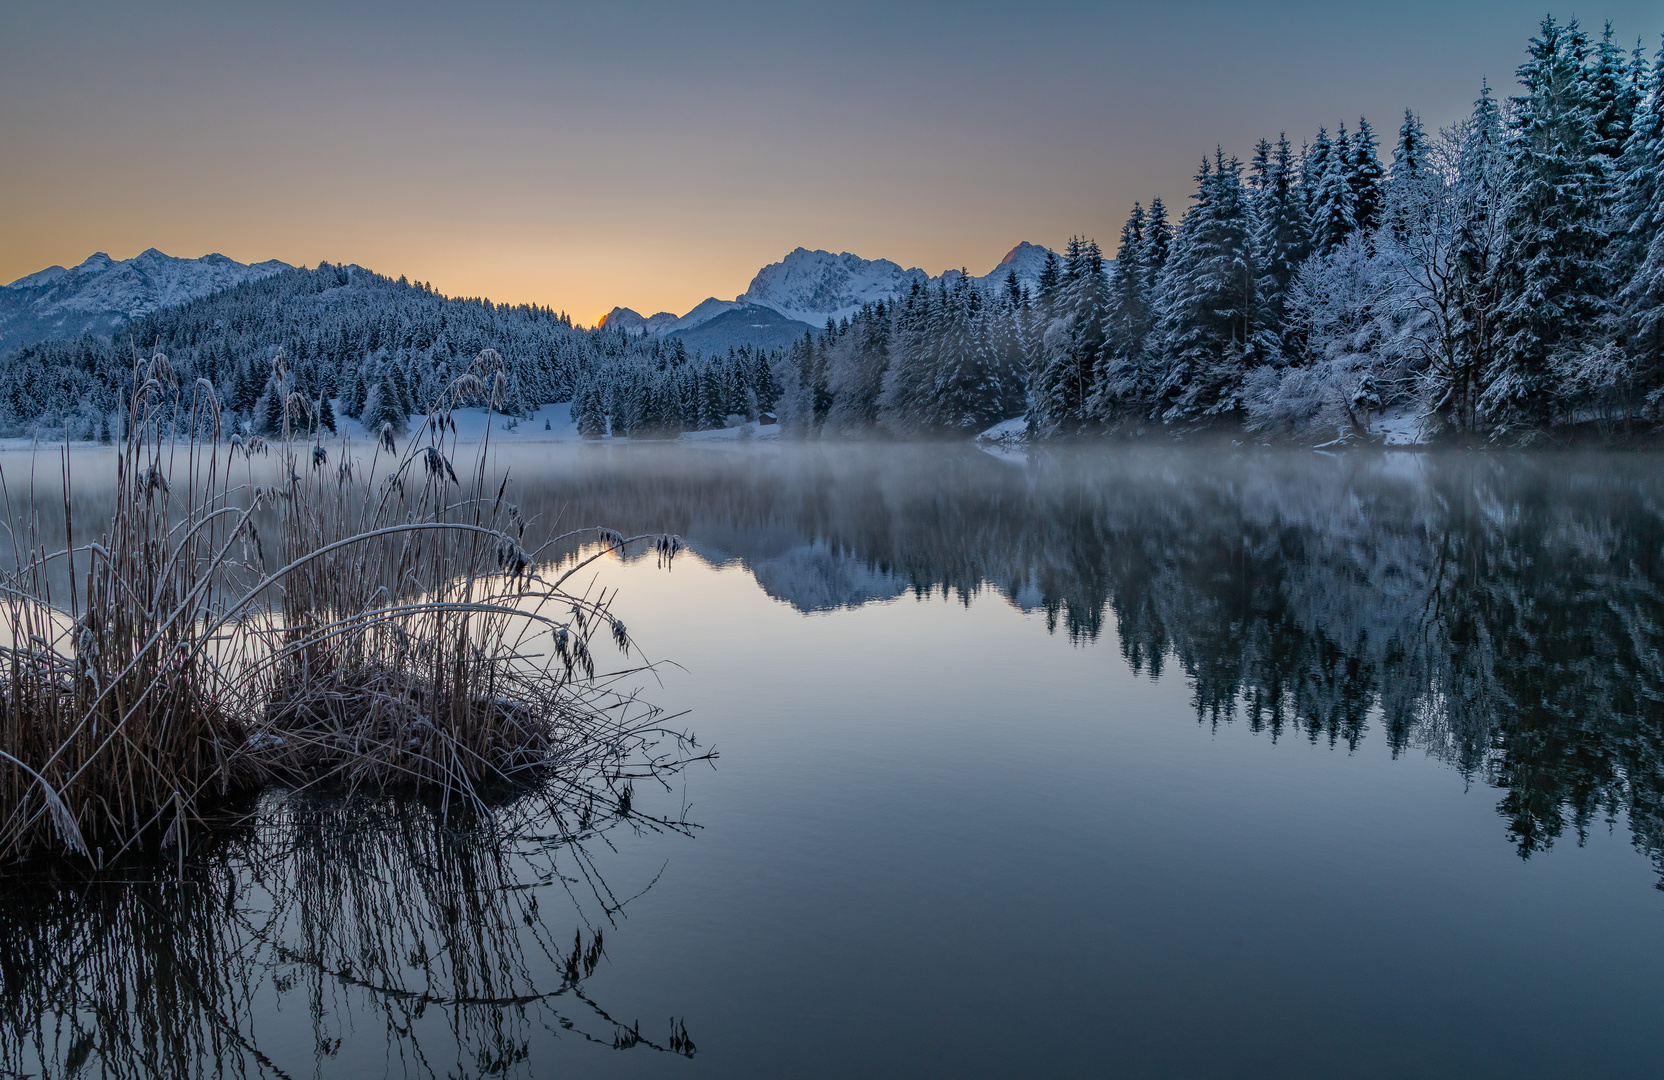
(632, 321)
(813, 286)
(102, 293)
(803, 290)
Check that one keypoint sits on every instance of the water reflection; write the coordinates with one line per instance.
(363, 935)
(1504, 613)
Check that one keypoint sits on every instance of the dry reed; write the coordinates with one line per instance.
(374, 626)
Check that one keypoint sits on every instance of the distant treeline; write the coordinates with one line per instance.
(1500, 279)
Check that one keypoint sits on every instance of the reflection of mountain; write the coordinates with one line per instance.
(1505, 614)
(812, 576)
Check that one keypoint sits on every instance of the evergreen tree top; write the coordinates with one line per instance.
(1410, 152)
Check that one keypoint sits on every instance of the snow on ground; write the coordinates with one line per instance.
(1397, 427)
(1012, 430)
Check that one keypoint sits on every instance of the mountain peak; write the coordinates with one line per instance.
(101, 293)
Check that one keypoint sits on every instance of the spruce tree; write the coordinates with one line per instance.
(245, 394)
(1128, 313)
(1158, 240)
(1282, 235)
(1334, 199)
(1118, 381)
(357, 393)
(1210, 320)
(1637, 249)
(1366, 179)
(397, 389)
(271, 409)
(1073, 344)
(384, 407)
(1314, 162)
(588, 411)
(1552, 283)
(909, 381)
(1409, 153)
(326, 414)
(1051, 276)
(1480, 198)
(1615, 96)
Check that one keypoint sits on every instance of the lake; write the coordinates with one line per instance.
(1118, 761)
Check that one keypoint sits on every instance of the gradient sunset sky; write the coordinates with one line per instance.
(653, 154)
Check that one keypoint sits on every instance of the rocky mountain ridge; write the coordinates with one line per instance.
(101, 294)
(803, 290)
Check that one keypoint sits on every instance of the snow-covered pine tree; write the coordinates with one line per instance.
(384, 406)
(1553, 281)
(1282, 236)
(1367, 177)
(270, 408)
(797, 374)
(1637, 251)
(1128, 314)
(1333, 202)
(1007, 356)
(325, 412)
(910, 380)
(1314, 162)
(1616, 96)
(1051, 277)
(856, 368)
(1072, 345)
(356, 394)
(966, 388)
(1158, 241)
(1118, 382)
(399, 388)
(1409, 153)
(245, 392)
(589, 411)
(1480, 196)
(1209, 318)
(662, 416)
(1015, 294)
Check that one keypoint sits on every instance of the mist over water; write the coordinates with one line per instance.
(1177, 761)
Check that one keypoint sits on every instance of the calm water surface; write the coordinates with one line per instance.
(1121, 763)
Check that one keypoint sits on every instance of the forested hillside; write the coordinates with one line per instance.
(384, 349)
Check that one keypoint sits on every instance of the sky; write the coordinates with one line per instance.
(652, 154)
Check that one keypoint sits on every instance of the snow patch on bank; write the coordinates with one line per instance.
(1397, 427)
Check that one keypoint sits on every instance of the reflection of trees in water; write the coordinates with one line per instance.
(1505, 613)
(372, 920)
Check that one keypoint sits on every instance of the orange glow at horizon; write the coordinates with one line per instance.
(651, 155)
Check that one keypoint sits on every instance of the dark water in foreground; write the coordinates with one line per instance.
(1147, 763)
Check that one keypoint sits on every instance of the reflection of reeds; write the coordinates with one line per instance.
(354, 918)
(403, 638)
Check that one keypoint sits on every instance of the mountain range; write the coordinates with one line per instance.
(785, 300)
(800, 292)
(102, 293)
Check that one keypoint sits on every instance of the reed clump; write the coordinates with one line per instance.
(299, 616)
